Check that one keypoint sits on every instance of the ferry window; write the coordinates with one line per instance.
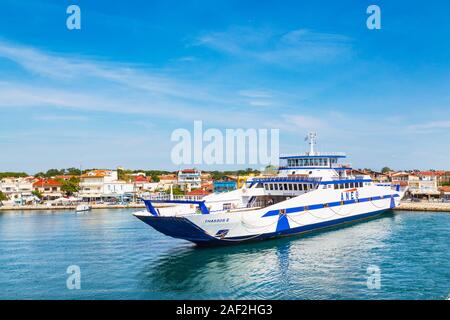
(336, 186)
(285, 186)
(346, 186)
(325, 162)
(290, 186)
(352, 185)
(266, 186)
(275, 186)
(295, 187)
(341, 186)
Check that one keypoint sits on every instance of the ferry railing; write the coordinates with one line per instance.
(316, 154)
(161, 197)
(285, 179)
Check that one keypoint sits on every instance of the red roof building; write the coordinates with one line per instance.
(198, 192)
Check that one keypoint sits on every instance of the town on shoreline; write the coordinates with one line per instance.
(121, 188)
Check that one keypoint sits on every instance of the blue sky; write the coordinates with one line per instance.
(111, 93)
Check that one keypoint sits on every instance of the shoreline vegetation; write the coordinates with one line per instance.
(404, 206)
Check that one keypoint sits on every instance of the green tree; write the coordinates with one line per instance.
(71, 186)
(54, 172)
(12, 174)
(37, 194)
(385, 170)
(3, 196)
(176, 190)
(73, 171)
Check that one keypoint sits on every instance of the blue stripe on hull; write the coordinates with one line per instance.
(182, 228)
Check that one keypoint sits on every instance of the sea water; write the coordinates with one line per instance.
(401, 255)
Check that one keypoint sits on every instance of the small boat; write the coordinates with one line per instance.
(311, 192)
(82, 208)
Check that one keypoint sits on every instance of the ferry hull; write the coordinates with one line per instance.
(183, 228)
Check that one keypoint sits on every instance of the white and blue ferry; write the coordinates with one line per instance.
(312, 191)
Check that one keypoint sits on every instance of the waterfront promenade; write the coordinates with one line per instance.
(424, 206)
(404, 206)
(72, 207)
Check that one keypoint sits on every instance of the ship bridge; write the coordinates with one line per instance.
(312, 160)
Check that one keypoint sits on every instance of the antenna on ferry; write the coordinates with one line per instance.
(312, 142)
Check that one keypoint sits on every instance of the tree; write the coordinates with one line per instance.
(37, 194)
(54, 172)
(3, 196)
(385, 170)
(12, 174)
(71, 186)
(73, 171)
(176, 190)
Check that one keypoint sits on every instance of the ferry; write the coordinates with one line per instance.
(311, 191)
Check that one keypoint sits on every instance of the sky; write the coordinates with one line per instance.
(112, 93)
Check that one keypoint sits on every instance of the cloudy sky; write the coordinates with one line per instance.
(112, 93)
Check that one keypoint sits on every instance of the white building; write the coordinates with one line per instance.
(420, 185)
(189, 179)
(166, 181)
(100, 184)
(17, 189)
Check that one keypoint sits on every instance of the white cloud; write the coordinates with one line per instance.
(287, 49)
(431, 125)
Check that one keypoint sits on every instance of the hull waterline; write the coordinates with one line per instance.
(182, 228)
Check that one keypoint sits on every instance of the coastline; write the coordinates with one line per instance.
(70, 207)
(404, 206)
(424, 206)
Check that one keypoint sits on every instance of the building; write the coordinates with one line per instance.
(167, 180)
(208, 185)
(400, 178)
(427, 185)
(189, 179)
(228, 183)
(18, 190)
(50, 189)
(375, 175)
(445, 192)
(103, 185)
(197, 194)
(92, 183)
(144, 184)
(224, 186)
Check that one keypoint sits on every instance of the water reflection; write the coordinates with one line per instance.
(281, 268)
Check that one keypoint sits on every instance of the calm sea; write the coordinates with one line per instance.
(122, 258)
